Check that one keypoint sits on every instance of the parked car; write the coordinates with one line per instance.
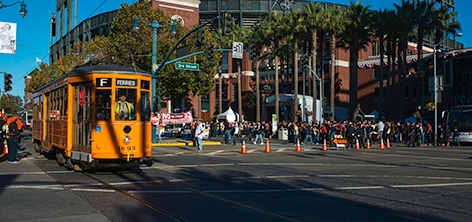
(171, 130)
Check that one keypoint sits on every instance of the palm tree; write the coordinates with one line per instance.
(407, 20)
(380, 26)
(424, 19)
(239, 34)
(356, 36)
(221, 42)
(334, 23)
(444, 24)
(313, 16)
(275, 34)
(295, 26)
(392, 35)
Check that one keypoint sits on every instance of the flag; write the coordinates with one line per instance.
(38, 60)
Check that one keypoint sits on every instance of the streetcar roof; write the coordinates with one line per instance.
(108, 68)
(101, 69)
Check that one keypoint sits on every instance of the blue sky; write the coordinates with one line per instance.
(33, 30)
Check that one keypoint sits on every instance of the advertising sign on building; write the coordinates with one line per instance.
(7, 37)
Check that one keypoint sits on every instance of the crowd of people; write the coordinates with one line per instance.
(409, 133)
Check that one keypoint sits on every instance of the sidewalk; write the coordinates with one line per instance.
(28, 193)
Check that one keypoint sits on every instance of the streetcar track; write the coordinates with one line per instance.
(139, 200)
(128, 194)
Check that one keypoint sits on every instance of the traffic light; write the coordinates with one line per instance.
(253, 52)
(228, 22)
(209, 53)
(201, 37)
(304, 62)
(162, 91)
(7, 82)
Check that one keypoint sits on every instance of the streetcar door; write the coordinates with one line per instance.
(82, 120)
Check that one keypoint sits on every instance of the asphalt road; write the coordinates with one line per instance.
(221, 184)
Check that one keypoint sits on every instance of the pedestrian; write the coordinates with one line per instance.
(199, 135)
(295, 133)
(12, 129)
(258, 131)
(236, 132)
(309, 134)
(455, 137)
(3, 120)
(227, 131)
(158, 132)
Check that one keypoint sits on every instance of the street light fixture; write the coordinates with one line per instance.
(23, 11)
(155, 26)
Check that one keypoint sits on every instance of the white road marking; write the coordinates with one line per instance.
(430, 185)
(93, 190)
(290, 176)
(216, 152)
(359, 188)
(251, 151)
(159, 191)
(182, 180)
(218, 164)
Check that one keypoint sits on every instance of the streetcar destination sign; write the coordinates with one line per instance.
(187, 66)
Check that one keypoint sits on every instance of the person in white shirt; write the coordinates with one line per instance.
(236, 132)
(199, 135)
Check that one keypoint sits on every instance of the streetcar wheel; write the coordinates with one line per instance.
(68, 164)
(77, 168)
(60, 157)
(36, 147)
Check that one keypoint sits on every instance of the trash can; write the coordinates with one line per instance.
(283, 134)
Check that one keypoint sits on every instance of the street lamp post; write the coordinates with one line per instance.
(156, 68)
(22, 9)
(435, 92)
(155, 26)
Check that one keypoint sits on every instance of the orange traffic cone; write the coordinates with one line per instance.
(324, 148)
(243, 148)
(297, 148)
(357, 145)
(368, 145)
(381, 144)
(388, 143)
(5, 150)
(267, 148)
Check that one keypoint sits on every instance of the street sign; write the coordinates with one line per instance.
(238, 50)
(187, 66)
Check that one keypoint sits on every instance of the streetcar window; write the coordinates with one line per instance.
(125, 106)
(145, 84)
(145, 107)
(103, 111)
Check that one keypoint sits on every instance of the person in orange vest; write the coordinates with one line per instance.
(124, 110)
(12, 129)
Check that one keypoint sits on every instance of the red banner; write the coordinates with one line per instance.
(176, 118)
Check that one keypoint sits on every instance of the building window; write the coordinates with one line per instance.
(375, 48)
(377, 73)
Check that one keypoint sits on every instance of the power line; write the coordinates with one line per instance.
(96, 9)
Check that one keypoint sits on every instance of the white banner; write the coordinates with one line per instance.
(7, 37)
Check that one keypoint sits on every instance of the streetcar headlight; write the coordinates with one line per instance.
(126, 139)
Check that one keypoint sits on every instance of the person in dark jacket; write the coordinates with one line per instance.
(13, 138)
